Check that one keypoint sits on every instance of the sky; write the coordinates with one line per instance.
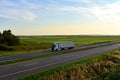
(60, 17)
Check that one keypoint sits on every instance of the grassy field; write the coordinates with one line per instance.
(38, 43)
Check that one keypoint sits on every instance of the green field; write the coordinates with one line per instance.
(38, 43)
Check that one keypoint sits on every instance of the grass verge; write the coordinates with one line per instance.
(8, 53)
(68, 67)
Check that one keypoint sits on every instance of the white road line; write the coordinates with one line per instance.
(30, 64)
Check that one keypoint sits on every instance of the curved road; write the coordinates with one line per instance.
(32, 54)
(16, 70)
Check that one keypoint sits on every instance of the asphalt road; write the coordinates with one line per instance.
(16, 70)
(32, 54)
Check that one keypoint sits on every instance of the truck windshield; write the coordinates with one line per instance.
(53, 45)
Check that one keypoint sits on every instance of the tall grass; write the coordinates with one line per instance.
(113, 74)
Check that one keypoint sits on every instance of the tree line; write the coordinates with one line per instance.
(9, 39)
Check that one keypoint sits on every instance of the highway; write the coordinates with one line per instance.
(16, 70)
(33, 54)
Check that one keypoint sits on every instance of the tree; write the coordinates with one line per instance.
(10, 38)
(1, 39)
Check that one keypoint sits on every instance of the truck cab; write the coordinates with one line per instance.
(54, 46)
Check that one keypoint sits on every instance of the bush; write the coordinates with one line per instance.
(1, 39)
(5, 48)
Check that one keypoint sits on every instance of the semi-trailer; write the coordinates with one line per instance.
(62, 45)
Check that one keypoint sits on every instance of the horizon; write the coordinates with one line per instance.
(56, 17)
(66, 35)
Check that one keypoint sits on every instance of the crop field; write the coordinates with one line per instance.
(39, 43)
(45, 42)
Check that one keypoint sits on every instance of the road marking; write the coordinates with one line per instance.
(30, 64)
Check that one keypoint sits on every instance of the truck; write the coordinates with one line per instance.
(56, 46)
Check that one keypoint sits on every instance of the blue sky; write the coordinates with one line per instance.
(60, 17)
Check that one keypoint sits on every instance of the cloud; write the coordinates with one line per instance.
(22, 10)
(85, 1)
(67, 8)
(107, 13)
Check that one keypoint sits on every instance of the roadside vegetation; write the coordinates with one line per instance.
(7, 39)
(100, 67)
(113, 74)
(39, 43)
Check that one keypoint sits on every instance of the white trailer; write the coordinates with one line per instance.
(62, 45)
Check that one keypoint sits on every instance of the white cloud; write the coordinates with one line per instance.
(69, 8)
(107, 13)
(29, 16)
(4, 16)
(23, 10)
(85, 1)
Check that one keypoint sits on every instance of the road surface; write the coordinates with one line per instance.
(33, 54)
(16, 70)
